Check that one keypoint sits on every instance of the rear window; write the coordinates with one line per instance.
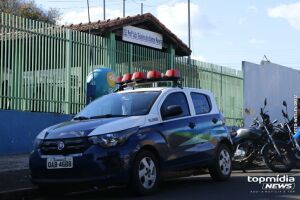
(201, 103)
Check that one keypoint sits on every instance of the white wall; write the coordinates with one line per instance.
(275, 82)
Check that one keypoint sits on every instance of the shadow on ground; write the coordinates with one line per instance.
(199, 187)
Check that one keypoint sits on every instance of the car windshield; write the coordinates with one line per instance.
(119, 104)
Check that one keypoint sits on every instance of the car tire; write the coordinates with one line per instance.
(145, 173)
(222, 164)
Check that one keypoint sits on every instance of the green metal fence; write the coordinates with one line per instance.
(43, 68)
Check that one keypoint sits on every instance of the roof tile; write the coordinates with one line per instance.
(112, 24)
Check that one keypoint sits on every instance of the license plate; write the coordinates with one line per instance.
(59, 162)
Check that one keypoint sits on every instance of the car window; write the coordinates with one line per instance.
(127, 104)
(176, 98)
(201, 103)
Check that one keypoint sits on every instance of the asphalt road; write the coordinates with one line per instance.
(199, 187)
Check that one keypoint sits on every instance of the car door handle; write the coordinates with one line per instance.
(192, 125)
(214, 120)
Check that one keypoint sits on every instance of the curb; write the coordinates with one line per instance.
(23, 193)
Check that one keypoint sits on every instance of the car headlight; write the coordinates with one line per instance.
(113, 139)
(37, 143)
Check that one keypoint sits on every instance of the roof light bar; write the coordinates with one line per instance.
(154, 75)
(172, 74)
(119, 80)
(126, 78)
(138, 76)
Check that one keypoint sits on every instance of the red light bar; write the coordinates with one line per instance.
(138, 76)
(153, 75)
(126, 78)
(172, 73)
(119, 80)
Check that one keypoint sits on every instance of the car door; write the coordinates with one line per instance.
(177, 130)
(207, 126)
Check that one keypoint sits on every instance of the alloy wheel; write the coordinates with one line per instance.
(147, 172)
(225, 162)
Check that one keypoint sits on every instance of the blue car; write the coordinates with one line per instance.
(135, 136)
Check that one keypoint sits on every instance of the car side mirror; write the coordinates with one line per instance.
(171, 111)
(284, 104)
(265, 103)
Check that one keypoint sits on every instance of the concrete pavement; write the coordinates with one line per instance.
(14, 176)
(197, 187)
(15, 184)
(13, 162)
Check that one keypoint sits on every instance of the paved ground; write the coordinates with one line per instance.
(14, 172)
(14, 175)
(199, 187)
(14, 162)
(14, 180)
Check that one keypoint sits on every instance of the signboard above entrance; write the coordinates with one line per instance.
(142, 36)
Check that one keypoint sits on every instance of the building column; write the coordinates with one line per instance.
(172, 55)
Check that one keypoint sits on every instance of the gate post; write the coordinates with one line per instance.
(68, 71)
(112, 51)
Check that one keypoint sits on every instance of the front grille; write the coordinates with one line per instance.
(71, 146)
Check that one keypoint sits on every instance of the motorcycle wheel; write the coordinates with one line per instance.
(280, 164)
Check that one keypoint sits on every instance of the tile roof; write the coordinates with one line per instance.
(104, 26)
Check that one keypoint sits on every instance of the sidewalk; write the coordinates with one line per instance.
(14, 172)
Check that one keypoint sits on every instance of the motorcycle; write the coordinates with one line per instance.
(291, 138)
(255, 144)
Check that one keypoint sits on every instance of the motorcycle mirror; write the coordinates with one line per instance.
(265, 103)
(275, 121)
(284, 103)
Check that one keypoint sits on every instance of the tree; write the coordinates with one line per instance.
(29, 9)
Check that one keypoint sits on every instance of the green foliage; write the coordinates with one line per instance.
(29, 9)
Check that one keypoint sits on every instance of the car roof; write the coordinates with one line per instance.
(127, 90)
(165, 89)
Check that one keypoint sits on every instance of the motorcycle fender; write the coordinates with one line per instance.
(263, 148)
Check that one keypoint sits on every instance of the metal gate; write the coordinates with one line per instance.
(43, 68)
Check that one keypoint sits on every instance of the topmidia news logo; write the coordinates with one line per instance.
(279, 183)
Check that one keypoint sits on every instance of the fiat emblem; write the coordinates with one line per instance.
(60, 145)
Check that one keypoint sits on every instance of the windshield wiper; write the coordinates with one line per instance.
(107, 116)
(80, 118)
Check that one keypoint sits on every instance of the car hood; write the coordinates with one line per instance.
(76, 128)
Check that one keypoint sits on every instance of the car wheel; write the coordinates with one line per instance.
(145, 176)
(222, 165)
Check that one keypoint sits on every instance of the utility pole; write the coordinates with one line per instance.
(189, 23)
(103, 9)
(123, 8)
(142, 8)
(91, 88)
(189, 30)
(88, 6)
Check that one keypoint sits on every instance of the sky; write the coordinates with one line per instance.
(222, 32)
